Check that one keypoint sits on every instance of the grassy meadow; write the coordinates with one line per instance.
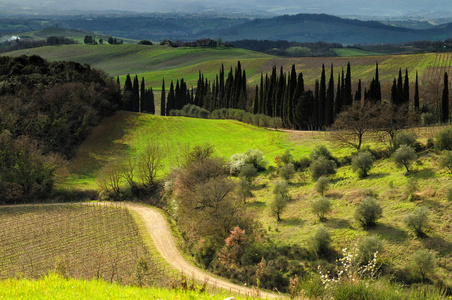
(55, 286)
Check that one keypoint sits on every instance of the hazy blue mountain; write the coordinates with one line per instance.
(346, 7)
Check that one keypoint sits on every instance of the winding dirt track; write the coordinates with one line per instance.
(160, 232)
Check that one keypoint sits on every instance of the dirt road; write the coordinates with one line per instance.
(163, 239)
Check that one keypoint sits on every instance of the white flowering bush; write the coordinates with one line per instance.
(350, 269)
(236, 162)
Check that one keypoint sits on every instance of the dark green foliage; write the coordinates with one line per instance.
(287, 171)
(54, 103)
(322, 184)
(368, 212)
(280, 198)
(322, 167)
(445, 113)
(320, 241)
(417, 220)
(404, 156)
(443, 140)
(25, 173)
(163, 100)
(416, 93)
(402, 138)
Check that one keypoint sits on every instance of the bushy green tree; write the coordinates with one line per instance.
(362, 163)
(402, 138)
(322, 167)
(287, 171)
(280, 198)
(321, 207)
(404, 156)
(417, 221)
(443, 140)
(320, 241)
(368, 212)
(368, 247)
(445, 161)
(321, 151)
(423, 263)
(322, 185)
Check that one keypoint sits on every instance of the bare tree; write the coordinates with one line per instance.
(352, 124)
(150, 161)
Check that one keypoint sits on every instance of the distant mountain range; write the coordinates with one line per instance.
(327, 28)
(305, 28)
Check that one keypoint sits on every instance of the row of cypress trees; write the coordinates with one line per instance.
(280, 95)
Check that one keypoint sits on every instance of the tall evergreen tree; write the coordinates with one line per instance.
(399, 95)
(338, 103)
(261, 96)
(315, 106)
(296, 99)
(358, 93)
(329, 106)
(170, 101)
(445, 101)
(406, 89)
(143, 99)
(348, 98)
(163, 100)
(151, 102)
(256, 101)
(322, 99)
(127, 93)
(416, 93)
(394, 92)
(135, 94)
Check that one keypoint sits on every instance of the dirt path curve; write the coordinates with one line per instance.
(164, 241)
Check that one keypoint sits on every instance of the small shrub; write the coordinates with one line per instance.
(286, 157)
(322, 151)
(423, 263)
(368, 247)
(411, 188)
(287, 171)
(417, 220)
(249, 172)
(443, 139)
(302, 164)
(322, 185)
(404, 156)
(320, 241)
(362, 163)
(368, 212)
(402, 138)
(445, 161)
(322, 167)
(321, 207)
(280, 198)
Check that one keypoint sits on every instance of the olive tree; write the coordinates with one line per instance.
(368, 212)
(404, 157)
(362, 163)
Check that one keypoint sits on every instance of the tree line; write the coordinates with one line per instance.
(283, 95)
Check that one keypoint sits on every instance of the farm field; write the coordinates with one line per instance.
(157, 62)
(83, 241)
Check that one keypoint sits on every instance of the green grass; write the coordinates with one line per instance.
(54, 286)
(353, 52)
(125, 135)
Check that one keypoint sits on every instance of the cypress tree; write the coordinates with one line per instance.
(117, 81)
(136, 95)
(256, 101)
(416, 93)
(329, 106)
(296, 99)
(406, 89)
(315, 106)
(399, 97)
(163, 100)
(338, 103)
(348, 98)
(358, 92)
(322, 98)
(151, 102)
(445, 100)
(377, 85)
(261, 96)
(143, 99)
(170, 101)
(394, 92)
(127, 93)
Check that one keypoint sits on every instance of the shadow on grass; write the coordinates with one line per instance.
(425, 173)
(292, 222)
(438, 244)
(376, 176)
(389, 233)
(256, 204)
(337, 223)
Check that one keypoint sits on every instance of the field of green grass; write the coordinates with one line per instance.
(54, 286)
(125, 135)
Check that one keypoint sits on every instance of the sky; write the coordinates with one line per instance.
(386, 8)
